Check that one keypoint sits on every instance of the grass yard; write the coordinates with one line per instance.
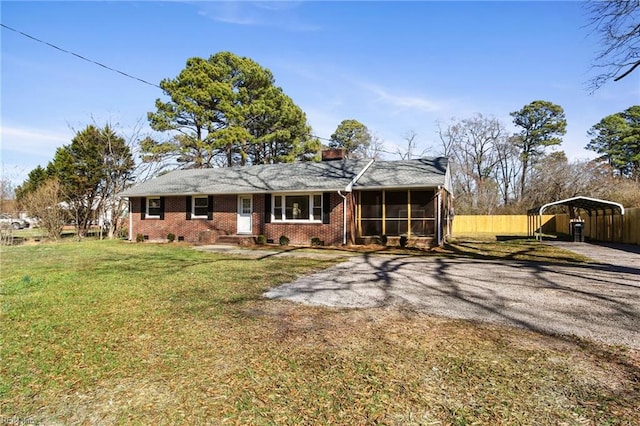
(487, 247)
(511, 249)
(118, 333)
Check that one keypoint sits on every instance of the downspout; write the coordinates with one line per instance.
(344, 218)
(439, 216)
(130, 219)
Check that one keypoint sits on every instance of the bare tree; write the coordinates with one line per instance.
(618, 24)
(507, 170)
(411, 150)
(473, 146)
(375, 148)
(7, 198)
(45, 204)
(448, 137)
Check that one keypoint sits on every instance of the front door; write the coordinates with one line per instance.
(245, 210)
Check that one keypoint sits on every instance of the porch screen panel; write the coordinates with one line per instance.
(397, 212)
(422, 213)
(371, 213)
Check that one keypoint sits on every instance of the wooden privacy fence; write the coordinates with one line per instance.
(498, 224)
(614, 228)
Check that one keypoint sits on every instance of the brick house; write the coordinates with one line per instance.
(338, 201)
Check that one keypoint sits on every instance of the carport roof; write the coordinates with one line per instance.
(584, 203)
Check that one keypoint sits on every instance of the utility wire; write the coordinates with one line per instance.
(78, 56)
(96, 63)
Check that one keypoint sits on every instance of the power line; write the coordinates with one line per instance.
(79, 56)
(97, 63)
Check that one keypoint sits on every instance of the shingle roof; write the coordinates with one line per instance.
(423, 172)
(295, 177)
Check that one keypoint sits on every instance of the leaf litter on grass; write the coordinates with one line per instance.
(186, 339)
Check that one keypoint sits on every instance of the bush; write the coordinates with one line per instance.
(171, 237)
(284, 241)
(261, 239)
(122, 232)
(315, 241)
(139, 238)
(404, 241)
(383, 240)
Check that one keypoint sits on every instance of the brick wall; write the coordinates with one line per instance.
(175, 220)
(301, 233)
(225, 222)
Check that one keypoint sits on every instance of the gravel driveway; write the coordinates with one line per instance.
(596, 301)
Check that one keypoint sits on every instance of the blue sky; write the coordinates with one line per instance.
(394, 66)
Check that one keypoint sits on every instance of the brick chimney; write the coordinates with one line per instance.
(332, 154)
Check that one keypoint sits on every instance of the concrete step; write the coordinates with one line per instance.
(236, 240)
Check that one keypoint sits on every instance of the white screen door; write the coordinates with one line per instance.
(245, 210)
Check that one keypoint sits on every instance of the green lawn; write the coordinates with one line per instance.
(118, 333)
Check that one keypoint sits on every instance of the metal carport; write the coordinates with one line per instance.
(590, 205)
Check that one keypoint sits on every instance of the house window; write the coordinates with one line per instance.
(154, 207)
(200, 207)
(245, 205)
(297, 208)
(317, 206)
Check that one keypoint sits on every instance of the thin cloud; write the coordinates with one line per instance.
(404, 102)
(34, 142)
(281, 15)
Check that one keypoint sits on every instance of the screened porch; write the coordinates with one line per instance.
(410, 213)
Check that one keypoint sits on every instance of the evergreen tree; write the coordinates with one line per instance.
(353, 137)
(543, 123)
(226, 110)
(617, 139)
(92, 170)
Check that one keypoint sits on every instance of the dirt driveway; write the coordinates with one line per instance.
(596, 301)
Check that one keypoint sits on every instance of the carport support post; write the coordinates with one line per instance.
(613, 226)
(540, 228)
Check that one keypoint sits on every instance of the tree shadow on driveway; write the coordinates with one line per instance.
(595, 301)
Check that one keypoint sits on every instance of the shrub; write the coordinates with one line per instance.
(261, 239)
(315, 241)
(404, 241)
(284, 241)
(383, 240)
(171, 237)
(139, 238)
(122, 232)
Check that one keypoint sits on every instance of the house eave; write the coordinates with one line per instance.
(380, 187)
(274, 191)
